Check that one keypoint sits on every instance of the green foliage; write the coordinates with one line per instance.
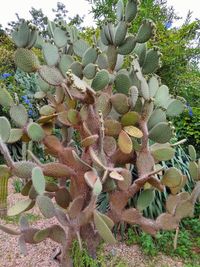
(188, 241)
(132, 237)
(188, 126)
(6, 54)
(81, 258)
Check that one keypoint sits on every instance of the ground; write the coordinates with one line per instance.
(41, 255)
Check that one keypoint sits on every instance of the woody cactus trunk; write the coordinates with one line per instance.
(107, 116)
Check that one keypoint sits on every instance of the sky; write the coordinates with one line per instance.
(81, 7)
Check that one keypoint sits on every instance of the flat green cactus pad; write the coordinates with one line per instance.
(5, 98)
(5, 129)
(50, 53)
(38, 180)
(20, 207)
(161, 133)
(60, 37)
(131, 10)
(79, 47)
(15, 135)
(120, 103)
(50, 75)
(35, 132)
(122, 83)
(145, 198)
(172, 177)
(103, 229)
(19, 115)
(26, 60)
(46, 206)
(100, 80)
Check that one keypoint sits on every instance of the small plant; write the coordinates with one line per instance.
(18, 185)
(109, 118)
(148, 245)
(81, 258)
(132, 237)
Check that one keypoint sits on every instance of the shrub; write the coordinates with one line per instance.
(188, 126)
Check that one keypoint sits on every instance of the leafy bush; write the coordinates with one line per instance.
(6, 54)
(188, 126)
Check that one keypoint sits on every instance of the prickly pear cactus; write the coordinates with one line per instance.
(115, 113)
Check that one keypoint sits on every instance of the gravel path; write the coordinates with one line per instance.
(40, 255)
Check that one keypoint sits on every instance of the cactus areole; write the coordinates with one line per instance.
(114, 112)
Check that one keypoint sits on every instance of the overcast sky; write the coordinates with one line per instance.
(81, 7)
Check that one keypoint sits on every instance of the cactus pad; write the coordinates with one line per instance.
(5, 98)
(19, 115)
(120, 103)
(122, 83)
(46, 206)
(125, 143)
(5, 129)
(145, 31)
(101, 80)
(145, 198)
(162, 152)
(103, 229)
(50, 53)
(172, 177)
(50, 75)
(26, 60)
(161, 133)
(35, 132)
(15, 135)
(130, 118)
(20, 207)
(38, 180)
(175, 108)
(131, 10)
